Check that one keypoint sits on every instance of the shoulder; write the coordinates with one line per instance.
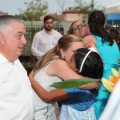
(56, 32)
(38, 35)
(61, 69)
(39, 32)
(59, 63)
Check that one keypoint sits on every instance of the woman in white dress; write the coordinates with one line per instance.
(50, 68)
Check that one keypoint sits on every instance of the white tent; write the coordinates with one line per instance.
(114, 8)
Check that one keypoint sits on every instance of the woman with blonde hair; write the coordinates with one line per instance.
(79, 28)
(53, 67)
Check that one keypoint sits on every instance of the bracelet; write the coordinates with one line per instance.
(98, 83)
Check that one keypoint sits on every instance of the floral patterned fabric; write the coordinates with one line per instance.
(69, 113)
(79, 106)
(79, 99)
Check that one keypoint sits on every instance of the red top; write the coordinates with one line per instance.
(89, 33)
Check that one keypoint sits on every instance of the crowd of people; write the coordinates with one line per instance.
(88, 50)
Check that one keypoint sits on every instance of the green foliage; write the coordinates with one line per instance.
(82, 7)
(72, 83)
(34, 10)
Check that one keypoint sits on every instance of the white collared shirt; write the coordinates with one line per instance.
(16, 96)
(42, 42)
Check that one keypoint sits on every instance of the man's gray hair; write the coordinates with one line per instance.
(6, 20)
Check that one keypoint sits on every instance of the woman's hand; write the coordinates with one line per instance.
(90, 43)
(87, 42)
(94, 85)
(31, 74)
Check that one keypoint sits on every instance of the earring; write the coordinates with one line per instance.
(63, 57)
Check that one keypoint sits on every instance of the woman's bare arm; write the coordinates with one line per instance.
(51, 96)
(61, 69)
(66, 73)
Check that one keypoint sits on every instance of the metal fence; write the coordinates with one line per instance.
(30, 32)
(34, 26)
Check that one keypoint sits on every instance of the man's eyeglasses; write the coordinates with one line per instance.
(79, 26)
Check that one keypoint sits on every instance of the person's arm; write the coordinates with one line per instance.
(93, 85)
(60, 68)
(35, 45)
(51, 96)
(90, 43)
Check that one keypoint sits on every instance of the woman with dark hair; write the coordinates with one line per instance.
(79, 102)
(87, 64)
(79, 106)
(107, 49)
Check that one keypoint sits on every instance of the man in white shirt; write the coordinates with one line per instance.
(45, 39)
(16, 97)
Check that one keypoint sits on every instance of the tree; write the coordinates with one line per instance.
(85, 8)
(62, 4)
(35, 9)
(82, 7)
(77, 5)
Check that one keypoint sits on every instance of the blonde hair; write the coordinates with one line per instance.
(54, 54)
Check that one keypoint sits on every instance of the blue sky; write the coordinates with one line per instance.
(11, 6)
